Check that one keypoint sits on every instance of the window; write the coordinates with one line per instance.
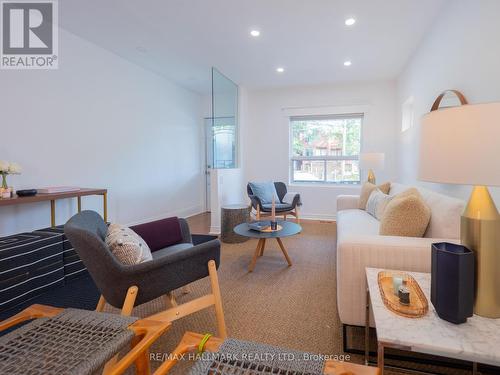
(325, 149)
(222, 147)
(224, 131)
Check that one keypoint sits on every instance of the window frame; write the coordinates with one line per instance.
(325, 159)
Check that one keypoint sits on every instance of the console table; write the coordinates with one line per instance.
(56, 196)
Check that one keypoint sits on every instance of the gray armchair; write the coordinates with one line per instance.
(172, 267)
(288, 204)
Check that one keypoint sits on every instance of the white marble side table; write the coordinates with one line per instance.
(477, 340)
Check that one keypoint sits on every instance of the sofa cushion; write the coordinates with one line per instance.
(126, 245)
(265, 191)
(406, 215)
(279, 207)
(356, 222)
(445, 212)
(170, 250)
(367, 189)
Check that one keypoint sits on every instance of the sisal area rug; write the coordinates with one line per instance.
(292, 307)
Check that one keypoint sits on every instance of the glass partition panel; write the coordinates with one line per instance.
(224, 121)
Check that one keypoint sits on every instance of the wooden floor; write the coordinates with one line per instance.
(200, 224)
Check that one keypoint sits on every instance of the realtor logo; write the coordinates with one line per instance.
(29, 34)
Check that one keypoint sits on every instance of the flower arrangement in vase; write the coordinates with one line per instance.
(7, 168)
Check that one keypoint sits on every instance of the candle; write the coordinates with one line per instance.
(274, 224)
(404, 295)
(273, 210)
(396, 283)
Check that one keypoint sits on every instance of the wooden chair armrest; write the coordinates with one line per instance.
(29, 313)
(146, 331)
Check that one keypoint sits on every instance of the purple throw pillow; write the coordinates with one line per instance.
(160, 233)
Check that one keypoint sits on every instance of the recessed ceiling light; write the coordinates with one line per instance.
(347, 63)
(255, 33)
(350, 21)
(280, 70)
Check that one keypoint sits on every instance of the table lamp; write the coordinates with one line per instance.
(461, 145)
(371, 161)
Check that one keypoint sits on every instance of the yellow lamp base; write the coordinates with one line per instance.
(480, 232)
(371, 177)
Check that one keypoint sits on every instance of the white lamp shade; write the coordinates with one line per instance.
(372, 160)
(461, 145)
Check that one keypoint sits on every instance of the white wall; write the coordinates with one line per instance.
(226, 189)
(461, 51)
(101, 121)
(265, 134)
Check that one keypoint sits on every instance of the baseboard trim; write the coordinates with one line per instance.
(318, 217)
(183, 213)
(214, 231)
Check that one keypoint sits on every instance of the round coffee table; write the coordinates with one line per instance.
(288, 229)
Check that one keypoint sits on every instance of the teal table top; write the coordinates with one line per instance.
(288, 229)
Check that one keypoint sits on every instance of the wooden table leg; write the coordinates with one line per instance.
(256, 254)
(79, 200)
(282, 247)
(105, 207)
(380, 358)
(52, 213)
(262, 247)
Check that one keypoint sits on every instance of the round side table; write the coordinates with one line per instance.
(287, 229)
(231, 216)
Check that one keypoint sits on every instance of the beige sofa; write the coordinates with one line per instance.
(359, 245)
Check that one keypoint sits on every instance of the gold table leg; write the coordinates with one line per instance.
(52, 213)
(105, 206)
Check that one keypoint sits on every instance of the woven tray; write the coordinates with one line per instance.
(269, 230)
(418, 306)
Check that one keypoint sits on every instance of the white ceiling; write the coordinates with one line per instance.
(182, 39)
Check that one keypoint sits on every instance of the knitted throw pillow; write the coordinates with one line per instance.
(126, 245)
(367, 189)
(377, 203)
(406, 215)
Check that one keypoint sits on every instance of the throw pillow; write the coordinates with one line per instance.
(128, 247)
(406, 215)
(264, 191)
(367, 189)
(408, 192)
(377, 203)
